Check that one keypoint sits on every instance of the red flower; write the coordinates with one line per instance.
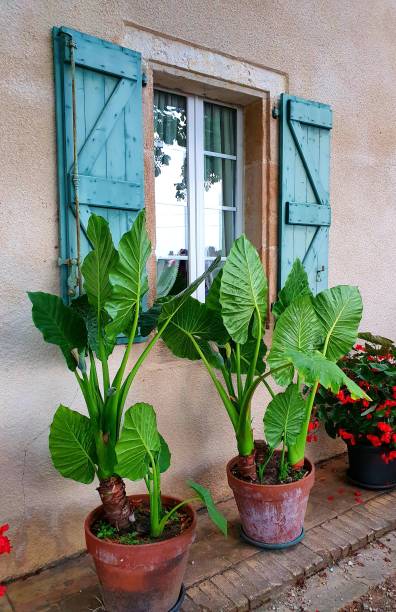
(345, 435)
(386, 438)
(2, 590)
(359, 347)
(5, 546)
(311, 426)
(375, 441)
(390, 457)
(369, 416)
(385, 427)
(365, 403)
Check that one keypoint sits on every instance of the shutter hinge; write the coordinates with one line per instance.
(72, 278)
(275, 112)
(144, 79)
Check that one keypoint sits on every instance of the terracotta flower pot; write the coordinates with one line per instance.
(142, 577)
(368, 470)
(272, 515)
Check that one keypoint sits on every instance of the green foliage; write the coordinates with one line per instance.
(138, 441)
(191, 329)
(339, 310)
(106, 531)
(243, 291)
(114, 284)
(284, 417)
(204, 495)
(143, 453)
(296, 285)
(315, 367)
(297, 329)
(60, 325)
(129, 277)
(72, 445)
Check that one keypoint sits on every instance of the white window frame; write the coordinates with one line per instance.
(195, 197)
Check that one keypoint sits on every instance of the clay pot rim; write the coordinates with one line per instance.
(117, 545)
(279, 486)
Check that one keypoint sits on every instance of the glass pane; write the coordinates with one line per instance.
(170, 158)
(219, 232)
(219, 182)
(220, 129)
(172, 276)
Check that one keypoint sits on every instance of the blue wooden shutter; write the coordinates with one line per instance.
(305, 213)
(109, 139)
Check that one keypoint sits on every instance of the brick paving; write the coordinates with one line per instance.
(227, 574)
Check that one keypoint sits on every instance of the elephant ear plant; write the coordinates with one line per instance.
(83, 447)
(310, 335)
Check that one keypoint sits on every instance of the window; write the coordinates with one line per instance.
(198, 185)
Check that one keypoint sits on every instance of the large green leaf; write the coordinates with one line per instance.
(298, 329)
(59, 324)
(164, 456)
(88, 313)
(218, 519)
(315, 367)
(98, 263)
(194, 324)
(139, 438)
(212, 299)
(296, 285)
(339, 310)
(72, 445)
(129, 276)
(284, 417)
(243, 290)
(167, 277)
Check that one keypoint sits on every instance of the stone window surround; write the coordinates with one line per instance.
(189, 68)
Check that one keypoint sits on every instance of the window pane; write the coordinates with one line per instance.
(220, 129)
(170, 158)
(219, 232)
(209, 279)
(219, 182)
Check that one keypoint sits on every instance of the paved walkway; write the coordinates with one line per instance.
(226, 574)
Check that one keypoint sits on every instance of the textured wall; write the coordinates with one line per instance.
(336, 52)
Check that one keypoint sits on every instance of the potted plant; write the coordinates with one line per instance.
(271, 486)
(368, 428)
(102, 445)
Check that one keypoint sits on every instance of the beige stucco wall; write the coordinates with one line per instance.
(342, 53)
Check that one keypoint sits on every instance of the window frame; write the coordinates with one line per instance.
(195, 171)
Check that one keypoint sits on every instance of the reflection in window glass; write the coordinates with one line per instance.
(220, 129)
(170, 159)
(219, 182)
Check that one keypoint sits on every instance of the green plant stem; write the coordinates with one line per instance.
(228, 382)
(253, 364)
(282, 461)
(229, 406)
(238, 369)
(297, 451)
(262, 467)
(155, 498)
(268, 387)
(169, 514)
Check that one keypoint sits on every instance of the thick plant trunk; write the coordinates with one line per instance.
(246, 466)
(116, 506)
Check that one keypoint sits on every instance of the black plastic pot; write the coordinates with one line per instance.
(368, 470)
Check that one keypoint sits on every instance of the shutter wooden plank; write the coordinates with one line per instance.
(112, 59)
(109, 137)
(109, 193)
(104, 125)
(305, 214)
(308, 214)
(312, 114)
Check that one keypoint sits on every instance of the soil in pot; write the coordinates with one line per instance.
(272, 514)
(368, 470)
(271, 475)
(145, 576)
(139, 531)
